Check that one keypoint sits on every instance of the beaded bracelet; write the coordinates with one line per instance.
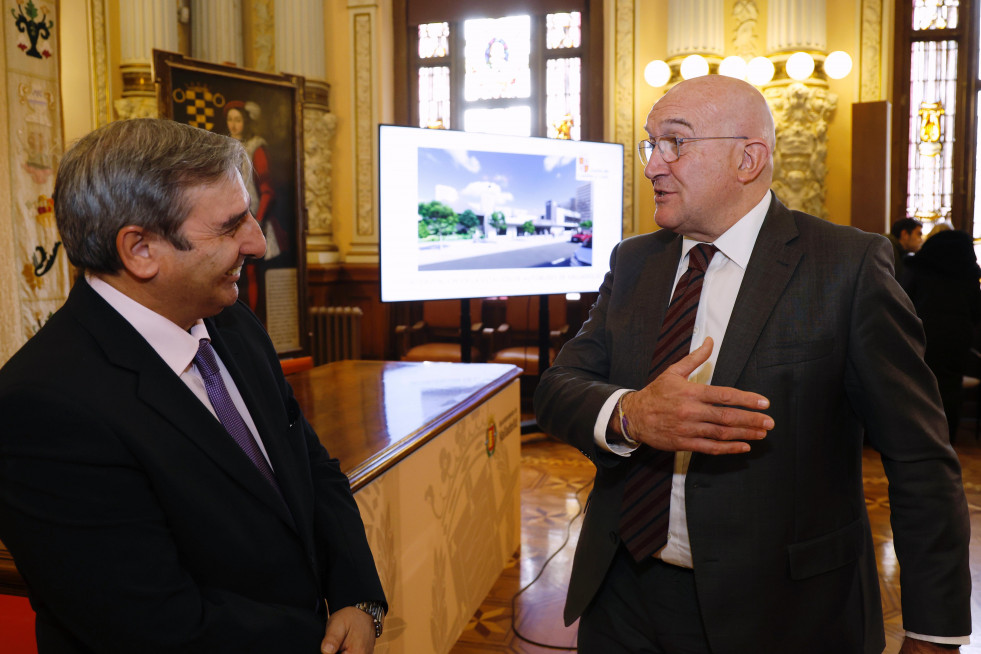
(623, 424)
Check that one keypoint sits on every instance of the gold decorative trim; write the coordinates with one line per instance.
(624, 105)
(264, 35)
(870, 64)
(137, 80)
(101, 78)
(11, 334)
(364, 112)
(316, 94)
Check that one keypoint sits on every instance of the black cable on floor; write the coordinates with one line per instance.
(568, 535)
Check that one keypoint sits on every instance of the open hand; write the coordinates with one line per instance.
(674, 414)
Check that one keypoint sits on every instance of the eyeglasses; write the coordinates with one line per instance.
(669, 145)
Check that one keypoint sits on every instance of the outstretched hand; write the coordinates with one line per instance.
(674, 414)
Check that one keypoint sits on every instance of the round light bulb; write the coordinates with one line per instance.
(733, 67)
(694, 66)
(759, 71)
(838, 64)
(800, 65)
(657, 73)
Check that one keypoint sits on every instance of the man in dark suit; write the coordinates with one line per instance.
(727, 514)
(160, 489)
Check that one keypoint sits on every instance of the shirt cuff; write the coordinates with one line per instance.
(603, 422)
(941, 640)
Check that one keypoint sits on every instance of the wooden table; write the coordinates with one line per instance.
(372, 414)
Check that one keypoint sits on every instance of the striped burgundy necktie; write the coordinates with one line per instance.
(647, 493)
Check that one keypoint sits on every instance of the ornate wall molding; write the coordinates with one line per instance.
(101, 89)
(136, 107)
(745, 18)
(264, 35)
(624, 105)
(870, 64)
(364, 245)
(802, 113)
(319, 128)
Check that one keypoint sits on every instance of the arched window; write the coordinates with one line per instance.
(935, 135)
(531, 68)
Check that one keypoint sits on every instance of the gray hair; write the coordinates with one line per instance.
(135, 172)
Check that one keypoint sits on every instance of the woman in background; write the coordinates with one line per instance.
(240, 118)
(942, 280)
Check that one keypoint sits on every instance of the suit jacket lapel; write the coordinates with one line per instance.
(773, 262)
(164, 392)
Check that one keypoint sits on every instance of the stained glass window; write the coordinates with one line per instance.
(434, 97)
(935, 14)
(933, 106)
(434, 40)
(563, 30)
(562, 103)
(518, 74)
(497, 53)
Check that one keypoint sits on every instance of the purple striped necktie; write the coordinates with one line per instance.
(644, 509)
(229, 416)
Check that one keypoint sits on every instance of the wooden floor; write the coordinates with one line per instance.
(555, 482)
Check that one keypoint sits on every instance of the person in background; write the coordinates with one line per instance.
(906, 237)
(726, 417)
(942, 280)
(160, 489)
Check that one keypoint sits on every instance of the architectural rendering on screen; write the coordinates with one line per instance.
(490, 210)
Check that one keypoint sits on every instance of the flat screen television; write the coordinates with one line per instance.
(464, 214)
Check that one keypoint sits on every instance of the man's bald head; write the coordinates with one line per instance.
(721, 162)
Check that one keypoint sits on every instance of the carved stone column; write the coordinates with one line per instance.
(802, 113)
(801, 110)
(796, 25)
(695, 27)
(217, 31)
(364, 28)
(299, 32)
(143, 26)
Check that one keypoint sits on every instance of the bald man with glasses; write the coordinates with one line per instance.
(729, 372)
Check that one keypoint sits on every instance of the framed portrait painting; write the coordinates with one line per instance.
(264, 112)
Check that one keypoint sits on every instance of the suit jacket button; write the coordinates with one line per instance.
(614, 537)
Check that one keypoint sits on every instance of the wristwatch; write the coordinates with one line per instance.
(377, 613)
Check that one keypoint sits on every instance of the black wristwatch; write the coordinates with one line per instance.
(377, 613)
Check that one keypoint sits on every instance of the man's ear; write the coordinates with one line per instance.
(136, 248)
(754, 158)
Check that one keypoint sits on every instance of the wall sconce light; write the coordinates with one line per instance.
(733, 67)
(800, 65)
(657, 73)
(760, 71)
(838, 64)
(694, 66)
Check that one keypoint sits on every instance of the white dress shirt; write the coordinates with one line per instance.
(176, 347)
